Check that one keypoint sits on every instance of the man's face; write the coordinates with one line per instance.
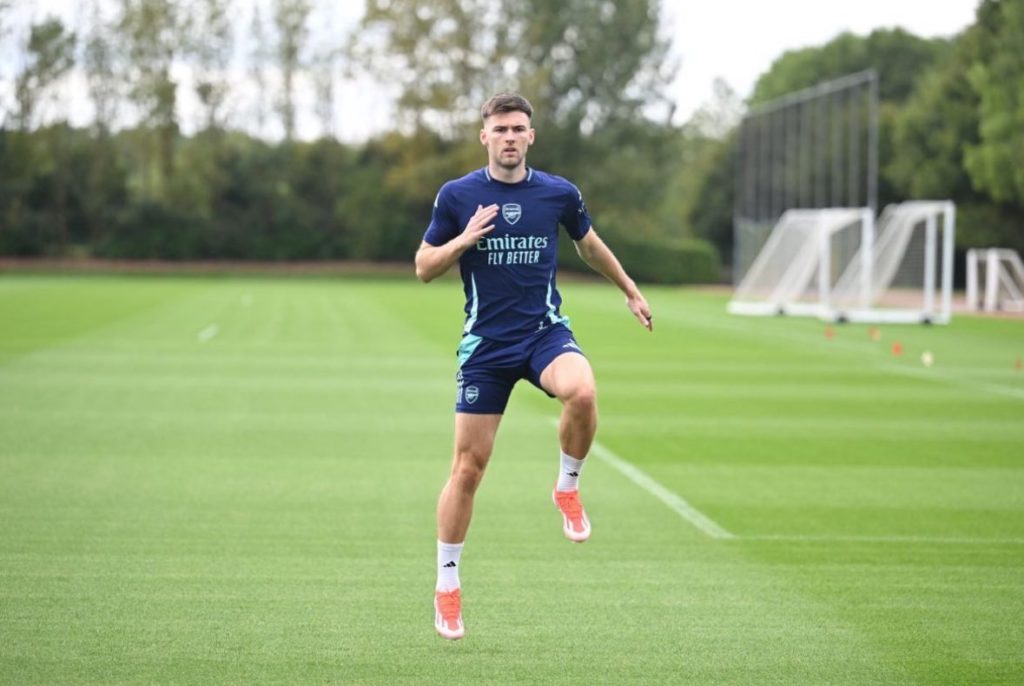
(507, 135)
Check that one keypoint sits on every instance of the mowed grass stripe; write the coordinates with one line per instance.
(926, 428)
(976, 354)
(235, 535)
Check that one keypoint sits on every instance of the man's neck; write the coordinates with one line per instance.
(514, 175)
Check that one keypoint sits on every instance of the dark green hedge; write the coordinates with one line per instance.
(666, 261)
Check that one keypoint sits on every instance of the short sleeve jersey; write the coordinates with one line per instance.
(509, 275)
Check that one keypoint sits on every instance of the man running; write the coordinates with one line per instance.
(500, 224)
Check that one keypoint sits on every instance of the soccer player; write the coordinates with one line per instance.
(500, 223)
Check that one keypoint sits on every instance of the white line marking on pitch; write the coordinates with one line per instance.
(207, 334)
(674, 501)
(714, 530)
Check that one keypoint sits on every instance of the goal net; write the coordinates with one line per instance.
(1000, 273)
(798, 267)
(909, 276)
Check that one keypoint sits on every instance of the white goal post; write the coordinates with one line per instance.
(839, 264)
(1002, 272)
(911, 269)
(795, 271)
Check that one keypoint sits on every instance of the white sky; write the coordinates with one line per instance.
(736, 40)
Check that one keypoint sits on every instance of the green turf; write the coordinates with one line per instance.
(233, 480)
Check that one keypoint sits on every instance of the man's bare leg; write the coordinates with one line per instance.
(474, 441)
(570, 378)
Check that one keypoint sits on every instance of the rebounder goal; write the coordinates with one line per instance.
(841, 265)
(910, 277)
(797, 269)
(1001, 272)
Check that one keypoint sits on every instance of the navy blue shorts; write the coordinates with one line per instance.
(488, 369)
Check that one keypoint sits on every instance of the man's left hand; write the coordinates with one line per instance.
(641, 310)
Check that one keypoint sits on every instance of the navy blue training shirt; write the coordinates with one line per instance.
(509, 275)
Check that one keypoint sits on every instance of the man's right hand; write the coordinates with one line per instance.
(433, 261)
(479, 225)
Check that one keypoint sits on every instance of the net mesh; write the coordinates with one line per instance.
(999, 273)
(906, 271)
(802, 258)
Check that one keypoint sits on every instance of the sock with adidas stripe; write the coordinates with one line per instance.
(448, 555)
(569, 473)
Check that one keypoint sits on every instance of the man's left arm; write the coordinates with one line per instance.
(602, 260)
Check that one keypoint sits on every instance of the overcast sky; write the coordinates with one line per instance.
(736, 40)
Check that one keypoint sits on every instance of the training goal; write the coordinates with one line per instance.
(998, 272)
(909, 276)
(840, 264)
(797, 269)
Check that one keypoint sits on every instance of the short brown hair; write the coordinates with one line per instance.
(506, 102)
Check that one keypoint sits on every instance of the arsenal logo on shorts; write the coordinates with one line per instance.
(511, 211)
(472, 393)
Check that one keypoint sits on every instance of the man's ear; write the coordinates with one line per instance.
(483, 137)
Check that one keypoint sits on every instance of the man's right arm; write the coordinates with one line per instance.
(434, 260)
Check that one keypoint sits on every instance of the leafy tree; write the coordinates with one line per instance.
(152, 34)
(588, 63)
(324, 69)
(898, 56)
(940, 128)
(50, 55)
(4, 6)
(211, 45)
(710, 211)
(290, 17)
(717, 118)
(257, 65)
(101, 182)
(931, 134)
(995, 161)
(583, 63)
(438, 53)
(391, 188)
(99, 62)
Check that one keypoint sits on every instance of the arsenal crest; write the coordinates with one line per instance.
(511, 212)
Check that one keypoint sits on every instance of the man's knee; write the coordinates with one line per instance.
(583, 398)
(468, 469)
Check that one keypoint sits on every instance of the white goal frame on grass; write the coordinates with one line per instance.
(911, 272)
(793, 272)
(1002, 271)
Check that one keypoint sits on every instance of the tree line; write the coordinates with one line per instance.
(136, 182)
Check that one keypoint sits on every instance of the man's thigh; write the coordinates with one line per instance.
(567, 375)
(557, 360)
(474, 434)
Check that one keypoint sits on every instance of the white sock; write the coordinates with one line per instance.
(448, 555)
(569, 473)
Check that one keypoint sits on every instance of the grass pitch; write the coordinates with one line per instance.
(233, 480)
